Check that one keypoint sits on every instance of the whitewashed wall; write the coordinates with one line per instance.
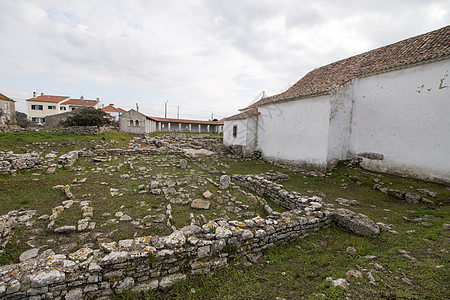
(341, 108)
(295, 131)
(405, 116)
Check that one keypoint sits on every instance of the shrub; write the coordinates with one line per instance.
(88, 116)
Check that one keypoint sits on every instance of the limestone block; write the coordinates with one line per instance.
(356, 222)
(47, 278)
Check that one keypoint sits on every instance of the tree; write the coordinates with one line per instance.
(88, 116)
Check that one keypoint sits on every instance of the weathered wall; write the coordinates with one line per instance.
(53, 120)
(7, 112)
(404, 115)
(132, 115)
(340, 120)
(241, 137)
(295, 132)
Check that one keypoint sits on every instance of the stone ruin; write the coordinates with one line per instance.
(149, 262)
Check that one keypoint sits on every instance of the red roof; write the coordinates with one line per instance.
(49, 98)
(251, 112)
(422, 48)
(3, 97)
(111, 108)
(168, 120)
(82, 102)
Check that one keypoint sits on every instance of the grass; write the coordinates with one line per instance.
(297, 270)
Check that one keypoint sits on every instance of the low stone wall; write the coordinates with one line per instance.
(150, 262)
(74, 129)
(275, 192)
(10, 162)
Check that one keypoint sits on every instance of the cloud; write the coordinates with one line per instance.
(198, 53)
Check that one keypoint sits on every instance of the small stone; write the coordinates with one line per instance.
(412, 198)
(125, 218)
(125, 285)
(207, 194)
(13, 287)
(200, 204)
(427, 192)
(351, 250)
(74, 294)
(65, 229)
(175, 240)
(224, 181)
(29, 254)
(170, 280)
(47, 278)
(183, 164)
(338, 282)
(354, 273)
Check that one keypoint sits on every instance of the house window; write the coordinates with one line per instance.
(136, 123)
(37, 107)
(131, 123)
(62, 108)
(51, 107)
(38, 120)
(234, 131)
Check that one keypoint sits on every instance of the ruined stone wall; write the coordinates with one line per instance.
(275, 192)
(10, 162)
(150, 262)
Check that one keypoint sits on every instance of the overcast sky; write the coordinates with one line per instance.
(205, 56)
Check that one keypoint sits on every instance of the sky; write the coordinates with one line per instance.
(205, 58)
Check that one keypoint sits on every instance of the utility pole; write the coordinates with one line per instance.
(165, 110)
(178, 112)
(212, 116)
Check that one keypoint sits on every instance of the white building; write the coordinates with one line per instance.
(137, 123)
(42, 106)
(113, 111)
(389, 106)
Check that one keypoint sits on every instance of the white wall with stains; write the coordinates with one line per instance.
(405, 116)
(295, 132)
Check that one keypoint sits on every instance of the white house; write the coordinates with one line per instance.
(42, 106)
(114, 112)
(137, 123)
(389, 106)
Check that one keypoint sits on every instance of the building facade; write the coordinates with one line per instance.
(7, 110)
(39, 107)
(113, 111)
(138, 123)
(388, 106)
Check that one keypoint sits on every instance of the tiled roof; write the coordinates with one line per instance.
(3, 97)
(422, 48)
(111, 108)
(82, 102)
(49, 98)
(251, 112)
(168, 120)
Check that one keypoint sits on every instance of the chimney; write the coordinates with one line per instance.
(82, 97)
(111, 104)
(42, 94)
(98, 99)
(34, 94)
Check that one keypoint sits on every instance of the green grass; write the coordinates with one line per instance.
(26, 141)
(296, 270)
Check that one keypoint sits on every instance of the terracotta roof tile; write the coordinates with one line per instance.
(3, 97)
(422, 48)
(251, 112)
(169, 120)
(111, 108)
(82, 102)
(49, 98)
